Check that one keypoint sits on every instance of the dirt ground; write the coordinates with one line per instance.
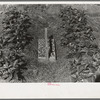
(49, 72)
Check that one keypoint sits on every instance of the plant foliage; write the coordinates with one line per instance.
(83, 53)
(14, 39)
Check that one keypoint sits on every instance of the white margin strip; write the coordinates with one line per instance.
(50, 2)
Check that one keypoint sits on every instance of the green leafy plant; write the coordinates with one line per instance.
(13, 40)
(82, 52)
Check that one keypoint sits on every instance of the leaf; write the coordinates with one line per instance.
(11, 39)
(86, 75)
(73, 76)
(12, 75)
(15, 62)
(85, 71)
(1, 73)
(73, 71)
(5, 65)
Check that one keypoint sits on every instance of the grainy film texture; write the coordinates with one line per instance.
(49, 43)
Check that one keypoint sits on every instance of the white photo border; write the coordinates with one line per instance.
(43, 90)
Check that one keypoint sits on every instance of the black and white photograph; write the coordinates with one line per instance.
(41, 43)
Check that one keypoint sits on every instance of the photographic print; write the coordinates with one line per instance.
(49, 49)
(49, 43)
